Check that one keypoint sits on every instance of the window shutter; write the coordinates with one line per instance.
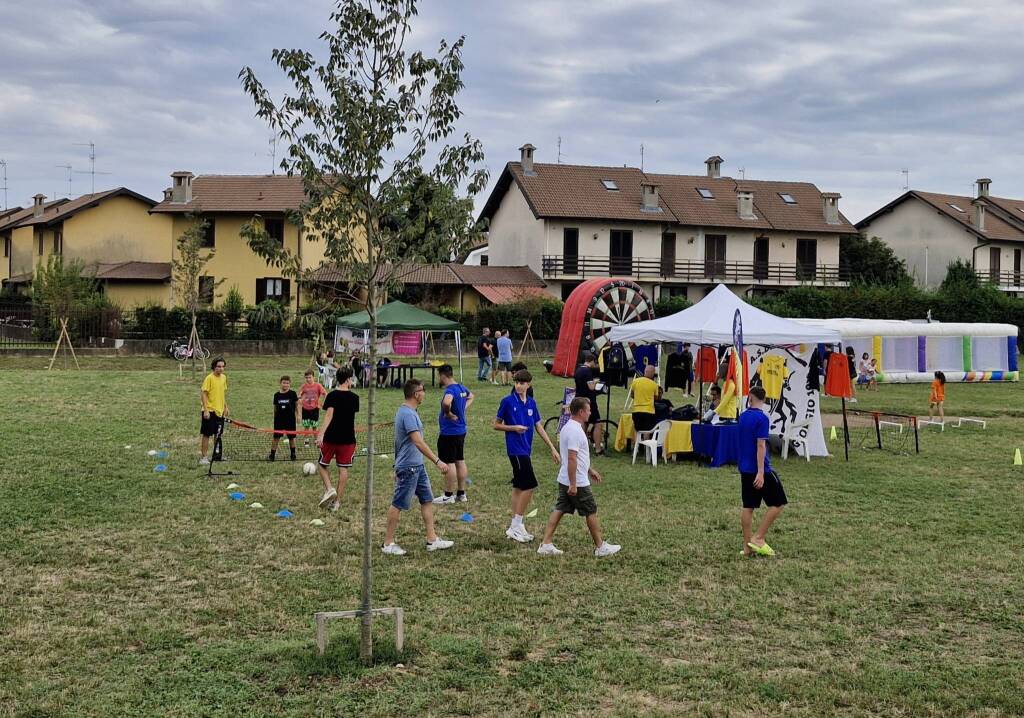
(285, 291)
(261, 290)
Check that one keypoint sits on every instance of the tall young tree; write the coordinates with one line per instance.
(359, 125)
(187, 268)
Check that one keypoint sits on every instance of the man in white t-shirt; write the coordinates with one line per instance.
(574, 475)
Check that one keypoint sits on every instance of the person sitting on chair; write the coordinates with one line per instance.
(644, 391)
(715, 397)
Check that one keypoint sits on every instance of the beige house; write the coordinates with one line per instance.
(929, 230)
(673, 234)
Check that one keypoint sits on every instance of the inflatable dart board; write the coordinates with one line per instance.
(590, 312)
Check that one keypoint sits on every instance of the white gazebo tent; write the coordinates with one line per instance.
(710, 322)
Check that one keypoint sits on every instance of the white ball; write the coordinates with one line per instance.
(309, 468)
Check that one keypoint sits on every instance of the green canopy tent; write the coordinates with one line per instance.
(399, 316)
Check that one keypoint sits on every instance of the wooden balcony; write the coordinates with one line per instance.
(557, 266)
(1004, 280)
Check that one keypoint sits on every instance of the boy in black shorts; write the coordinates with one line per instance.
(286, 411)
(451, 439)
(758, 481)
(587, 378)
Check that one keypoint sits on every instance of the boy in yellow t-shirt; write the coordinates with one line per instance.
(215, 406)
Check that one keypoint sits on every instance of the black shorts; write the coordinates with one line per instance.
(582, 503)
(311, 415)
(212, 426)
(595, 412)
(282, 426)
(451, 448)
(771, 493)
(523, 477)
(644, 421)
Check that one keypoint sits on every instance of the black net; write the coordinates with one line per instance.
(244, 442)
(892, 433)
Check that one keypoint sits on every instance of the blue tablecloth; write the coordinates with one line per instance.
(719, 442)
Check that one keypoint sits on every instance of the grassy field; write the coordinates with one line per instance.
(897, 589)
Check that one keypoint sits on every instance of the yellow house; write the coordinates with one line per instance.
(9, 221)
(112, 232)
(226, 203)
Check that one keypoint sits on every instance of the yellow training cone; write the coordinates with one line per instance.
(1016, 458)
(832, 434)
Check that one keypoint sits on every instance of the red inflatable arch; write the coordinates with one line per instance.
(591, 310)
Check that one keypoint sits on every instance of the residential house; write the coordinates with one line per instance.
(111, 232)
(226, 203)
(673, 234)
(928, 230)
(464, 287)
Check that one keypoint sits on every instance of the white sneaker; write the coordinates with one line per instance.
(329, 495)
(439, 544)
(203, 461)
(518, 533)
(442, 499)
(393, 549)
(461, 498)
(607, 549)
(548, 549)
(336, 505)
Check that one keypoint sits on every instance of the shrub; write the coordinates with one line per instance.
(671, 305)
(233, 306)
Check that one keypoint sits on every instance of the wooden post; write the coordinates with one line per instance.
(63, 339)
(322, 617)
(527, 340)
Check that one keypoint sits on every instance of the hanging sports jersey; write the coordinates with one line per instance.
(734, 372)
(773, 375)
(707, 365)
(837, 376)
(644, 355)
(613, 365)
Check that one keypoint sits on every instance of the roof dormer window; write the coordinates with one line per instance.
(787, 198)
(705, 193)
(610, 185)
(954, 207)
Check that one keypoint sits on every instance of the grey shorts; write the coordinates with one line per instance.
(504, 366)
(582, 503)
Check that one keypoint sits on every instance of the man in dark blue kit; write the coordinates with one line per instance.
(758, 481)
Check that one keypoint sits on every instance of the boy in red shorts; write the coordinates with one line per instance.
(310, 394)
(337, 437)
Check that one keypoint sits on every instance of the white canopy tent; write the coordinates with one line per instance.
(710, 322)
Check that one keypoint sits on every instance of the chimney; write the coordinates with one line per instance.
(168, 194)
(181, 187)
(37, 204)
(979, 211)
(830, 207)
(649, 195)
(714, 165)
(983, 184)
(745, 203)
(526, 158)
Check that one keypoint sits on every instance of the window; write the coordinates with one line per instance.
(567, 289)
(705, 193)
(206, 290)
(673, 290)
(210, 233)
(571, 250)
(483, 260)
(714, 255)
(761, 258)
(7, 246)
(275, 228)
(806, 258)
(58, 242)
(272, 288)
(620, 252)
(954, 207)
(610, 185)
(787, 198)
(994, 264)
(668, 254)
(1020, 209)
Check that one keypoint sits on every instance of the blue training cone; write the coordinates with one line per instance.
(161, 454)
(236, 496)
(467, 517)
(160, 468)
(284, 514)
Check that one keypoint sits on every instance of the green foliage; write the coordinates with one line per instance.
(872, 261)
(670, 305)
(234, 305)
(266, 320)
(960, 274)
(65, 286)
(544, 314)
(189, 263)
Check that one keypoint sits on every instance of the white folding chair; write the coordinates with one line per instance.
(792, 433)
(655, 439)
(327, 375)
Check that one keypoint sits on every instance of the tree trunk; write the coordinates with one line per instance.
(366, 632)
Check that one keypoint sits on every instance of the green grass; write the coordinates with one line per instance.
(897, 589)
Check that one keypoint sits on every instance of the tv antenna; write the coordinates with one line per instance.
(559, 159)
(272, 153)
(3, 169)
(67, 168)
(641, 156)
(743, 172)
(906, 178)
(92, 164)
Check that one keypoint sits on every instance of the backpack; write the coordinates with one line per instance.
(687, 412)
(616, 365)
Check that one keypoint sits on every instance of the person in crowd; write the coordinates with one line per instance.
(574, 476)
(937, 397)
(494, 357)
(410, 474)
(864, 370)
(687, 367)
(337, 437)
(758, 481)
(586, 379)
(483, 353)
(214, 398)
(451, 440)
(311, 394)
(645, 391)
(286, 414)
(714, 399)
(504, 346)
(383, 370)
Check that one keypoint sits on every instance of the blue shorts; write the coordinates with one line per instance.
(411, 480)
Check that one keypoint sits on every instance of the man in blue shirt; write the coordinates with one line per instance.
(518, 417)
(410, 475)
(504, 357)
(451, 439)
(758, 481)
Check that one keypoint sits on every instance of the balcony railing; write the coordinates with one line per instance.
(1001, 279)
(655, 268)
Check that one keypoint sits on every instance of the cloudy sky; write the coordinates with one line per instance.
(845, 95)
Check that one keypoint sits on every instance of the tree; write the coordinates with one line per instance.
(358, 127)
(62, 285)
(960, 274)
(872, 261)
(186, 270)
(432, 219)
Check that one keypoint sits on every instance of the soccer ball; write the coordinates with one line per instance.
(309, 468)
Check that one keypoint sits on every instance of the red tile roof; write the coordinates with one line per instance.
(578, 192)
(507, 295)
(67, 208)
(240, 193)
(14, 219)
(996, 227)
(448, 274)
(116, 271)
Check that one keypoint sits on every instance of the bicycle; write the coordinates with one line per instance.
(183, 353)
(554, 423)
(174, 345)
